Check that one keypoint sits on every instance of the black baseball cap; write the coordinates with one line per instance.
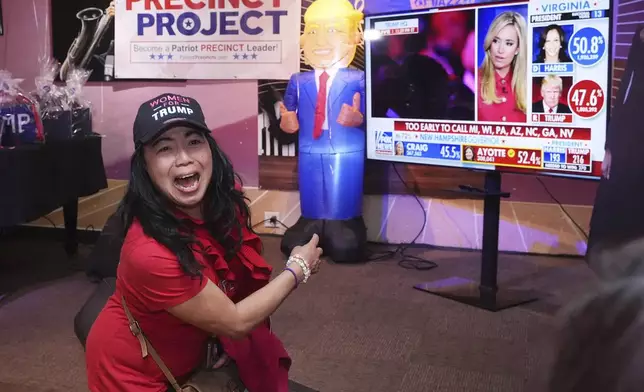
(166, 111)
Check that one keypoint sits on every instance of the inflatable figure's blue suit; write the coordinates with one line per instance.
(326, 105)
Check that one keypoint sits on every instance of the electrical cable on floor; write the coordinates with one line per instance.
(563, 209)
(50, 221)
(407, 261)
(274, 221)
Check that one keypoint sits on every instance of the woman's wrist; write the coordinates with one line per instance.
(296, 280)
(297, 260)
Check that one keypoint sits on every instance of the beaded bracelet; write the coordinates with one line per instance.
(297, 281)
(300, 261)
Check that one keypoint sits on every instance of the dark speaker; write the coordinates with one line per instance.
(89, 312)
(104, 259)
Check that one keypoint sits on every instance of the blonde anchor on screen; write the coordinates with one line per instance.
(502, 80)
(326, 105)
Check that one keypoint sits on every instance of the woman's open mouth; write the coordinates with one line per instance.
(188, 182)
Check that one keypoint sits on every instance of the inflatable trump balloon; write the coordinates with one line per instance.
(326, 105)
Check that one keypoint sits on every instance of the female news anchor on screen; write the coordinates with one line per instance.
(552, 45)
(502, 75)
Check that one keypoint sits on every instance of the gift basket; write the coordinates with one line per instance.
(20, 120)
(65, 113)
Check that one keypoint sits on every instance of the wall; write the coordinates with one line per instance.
(278, 161)
(230, 106)
(525, 227)
(530, 220)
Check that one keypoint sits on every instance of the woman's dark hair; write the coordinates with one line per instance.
(563, 52)
(601, 345)
(617, 262)
(222, 206)
(601, 342)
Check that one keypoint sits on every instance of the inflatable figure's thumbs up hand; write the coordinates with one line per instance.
(111, 10)
(288, 120)
(350, 116)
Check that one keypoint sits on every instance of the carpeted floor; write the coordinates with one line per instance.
(352, 328)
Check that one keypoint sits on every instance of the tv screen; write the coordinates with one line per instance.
(512, 86)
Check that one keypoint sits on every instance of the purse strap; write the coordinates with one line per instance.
(146, 347)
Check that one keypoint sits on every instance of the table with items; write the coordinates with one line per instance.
(38, 179)
(49, 155)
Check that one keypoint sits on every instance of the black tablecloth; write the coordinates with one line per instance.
(37, 179)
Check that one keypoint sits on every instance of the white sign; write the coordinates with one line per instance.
(207, 39)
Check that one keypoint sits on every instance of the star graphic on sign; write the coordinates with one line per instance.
(244, 56)
(160, 57)
(236, 56)
(170, 56)
(151, 57)
(254, 56)
(187, 23)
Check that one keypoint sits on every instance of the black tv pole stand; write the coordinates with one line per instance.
(485, 294)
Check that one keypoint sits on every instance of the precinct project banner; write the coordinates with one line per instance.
(207, 39)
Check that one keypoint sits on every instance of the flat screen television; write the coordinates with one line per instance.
(511, 86)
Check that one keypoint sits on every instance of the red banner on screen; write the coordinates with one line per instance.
(498, 130)
(552, 118)
(578, 156)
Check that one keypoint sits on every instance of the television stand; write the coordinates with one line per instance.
(484, 294)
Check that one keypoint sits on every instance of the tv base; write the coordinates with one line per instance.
(484, 294)
(469, 292)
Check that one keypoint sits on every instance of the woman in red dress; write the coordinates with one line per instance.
(503, 74)
(190, 265)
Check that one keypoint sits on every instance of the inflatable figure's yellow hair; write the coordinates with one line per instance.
(335, 9)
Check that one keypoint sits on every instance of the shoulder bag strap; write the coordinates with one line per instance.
(146, 347)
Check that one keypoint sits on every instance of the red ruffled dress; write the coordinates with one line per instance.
(151, 280)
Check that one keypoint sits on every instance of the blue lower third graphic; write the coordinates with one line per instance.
(433, 151)
(554, 157)
(553, 68)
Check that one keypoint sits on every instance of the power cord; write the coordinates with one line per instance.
(407, 261)
(563, 209)
(273, 220)
(50, 221)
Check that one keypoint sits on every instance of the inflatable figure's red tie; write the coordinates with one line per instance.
(320, 107)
